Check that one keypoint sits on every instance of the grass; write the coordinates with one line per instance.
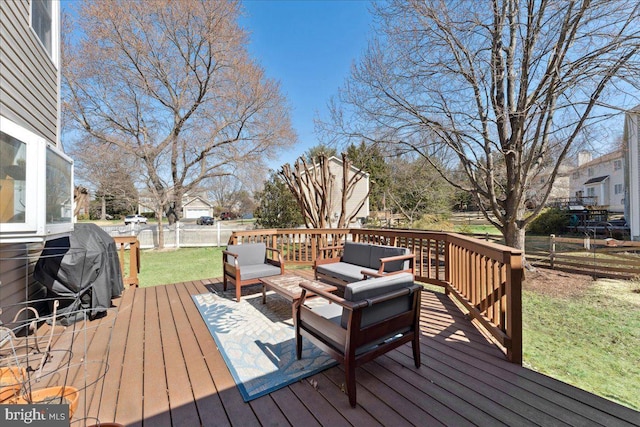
(590, 341)
(182, 265)
(477, 229)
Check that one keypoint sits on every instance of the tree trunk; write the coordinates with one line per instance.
(514, 236)
(171, 214)
(103, 210)
(160, 230)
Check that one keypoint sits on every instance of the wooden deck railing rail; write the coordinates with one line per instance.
(130, 275)
(485, 277)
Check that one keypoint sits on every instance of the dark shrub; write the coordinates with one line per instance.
(550, 221)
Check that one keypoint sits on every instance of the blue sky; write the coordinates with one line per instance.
(308, 46)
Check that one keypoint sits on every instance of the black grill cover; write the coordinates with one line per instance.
(82, 268)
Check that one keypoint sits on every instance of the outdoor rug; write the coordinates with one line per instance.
(257, 341)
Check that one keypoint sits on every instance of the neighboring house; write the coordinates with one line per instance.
(632, 166)
(360, 191)
(539, 184)
(36, 178)
(600, 180)
(195, 207)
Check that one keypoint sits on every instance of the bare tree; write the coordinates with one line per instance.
(417, 189)
(108, 174)
(313, 186)
(508, 87)
(170, 83)
(224, 190)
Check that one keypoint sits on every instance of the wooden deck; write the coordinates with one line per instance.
(165, 370)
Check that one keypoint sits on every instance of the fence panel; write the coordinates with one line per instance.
(606, 258)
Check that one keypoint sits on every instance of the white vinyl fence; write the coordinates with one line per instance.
(184, 235)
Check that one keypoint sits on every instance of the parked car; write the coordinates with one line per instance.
(135, 219)
(205, 220)
(227, 215)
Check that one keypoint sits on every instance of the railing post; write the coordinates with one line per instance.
(134, 262)
(447, 263)
(314, 247)
(121, 257)
(134, 259)
(552, 250)
(514, 307)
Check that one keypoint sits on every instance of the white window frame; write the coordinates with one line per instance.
(34, 179)
(35, 227)
(618, 189)
(590, 172)
(591, 191)
(617, 165)
(55, 31)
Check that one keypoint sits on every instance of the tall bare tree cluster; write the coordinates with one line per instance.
(313, 186)
(499, 91)
(170, 85)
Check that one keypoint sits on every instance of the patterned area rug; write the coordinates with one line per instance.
(257, 341)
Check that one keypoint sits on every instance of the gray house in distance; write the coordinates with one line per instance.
(36, 177)
(632, 177)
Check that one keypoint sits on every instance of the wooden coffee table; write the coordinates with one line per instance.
(288, 285)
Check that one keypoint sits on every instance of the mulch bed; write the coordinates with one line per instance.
(556, 283)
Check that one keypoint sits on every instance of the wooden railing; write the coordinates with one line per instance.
(484, 277)
(129, 275)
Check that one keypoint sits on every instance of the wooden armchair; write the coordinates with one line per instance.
(246, 264)
(374, 317)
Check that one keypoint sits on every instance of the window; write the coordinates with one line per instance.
(576, 175)
(36, 186)
(45, 24)
(591, 192)
(13, 178)
(617, 189)
(590, 172)
(59, 196)
(617, 165)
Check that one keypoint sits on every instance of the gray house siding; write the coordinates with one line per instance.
(29, 78)
(29, 97)
(632, 171)
(17, 262)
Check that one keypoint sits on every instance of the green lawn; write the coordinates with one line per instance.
(589, 341)
(182, 265)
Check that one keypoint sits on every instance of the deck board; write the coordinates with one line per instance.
(165, 369)
(155, 387)
(174, 328)
(129, 411)
(204, 389)
(108, 398)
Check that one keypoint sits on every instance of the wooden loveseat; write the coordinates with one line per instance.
(361, 260)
